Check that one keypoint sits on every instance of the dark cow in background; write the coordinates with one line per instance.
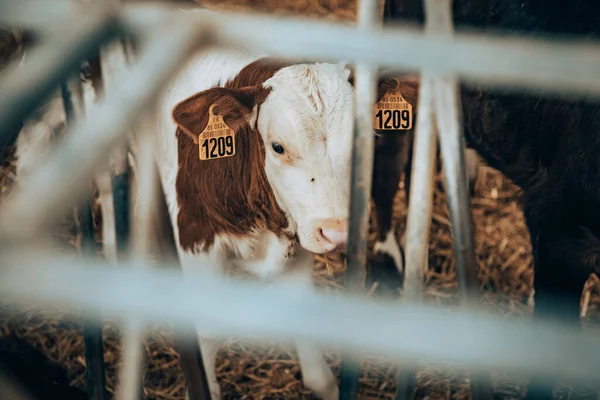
(548, 145)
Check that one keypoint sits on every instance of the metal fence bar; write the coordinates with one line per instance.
(92, 333)
(249, 309)
(421, 197)
(477, 56)
(23, 88)
(38, 14)
(449, 121)
(21, 215)
(130, 381)
(526, 64)
(114, 60)
(360, 184)
(420, 208)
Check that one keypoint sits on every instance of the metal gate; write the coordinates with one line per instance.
(407, 331)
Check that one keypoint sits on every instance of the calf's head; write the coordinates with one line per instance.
(303, 115)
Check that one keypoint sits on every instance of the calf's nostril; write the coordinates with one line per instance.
(321, 234)
(335, 236)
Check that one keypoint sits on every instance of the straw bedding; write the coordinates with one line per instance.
(271, 371)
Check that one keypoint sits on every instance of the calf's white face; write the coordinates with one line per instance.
(303, 114)
(306, 125)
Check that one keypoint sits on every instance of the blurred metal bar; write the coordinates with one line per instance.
(421, 196)
(192, 365)
(129, 244)
(250, 309)
(477, 57)
(419, 216)
(92, 333)
(130, 383)
(529, 64)
(190, 355)
(113, 59)
(449, 121)
(22, 215)
(360, 185)
(40, 15)
(24, 87)
(94, 359)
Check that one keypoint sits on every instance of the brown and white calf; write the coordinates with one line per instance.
(284, 194)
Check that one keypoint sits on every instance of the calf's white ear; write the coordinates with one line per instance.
(236, 106)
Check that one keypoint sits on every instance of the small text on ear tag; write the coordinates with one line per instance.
(393, 112)
(217, 140)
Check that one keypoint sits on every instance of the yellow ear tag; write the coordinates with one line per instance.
(217, 140)
(392, 112)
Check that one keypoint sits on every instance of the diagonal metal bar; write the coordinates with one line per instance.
(40, 15)
(24, 87)
(22, 215)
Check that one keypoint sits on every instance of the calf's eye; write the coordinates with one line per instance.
(277, 148)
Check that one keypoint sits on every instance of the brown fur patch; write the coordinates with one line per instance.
(409, 87)
(229, 195)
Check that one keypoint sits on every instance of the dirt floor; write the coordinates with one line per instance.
(271, 371)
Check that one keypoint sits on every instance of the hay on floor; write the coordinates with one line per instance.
(271, 371)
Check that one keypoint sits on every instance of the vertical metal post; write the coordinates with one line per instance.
(452, 150)
(190, 356)
(449, 121)
(130, 384)
(94, 348)
(360, 190)
(419, 216)
(114, 58)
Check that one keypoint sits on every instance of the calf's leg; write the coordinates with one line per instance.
(386, 265)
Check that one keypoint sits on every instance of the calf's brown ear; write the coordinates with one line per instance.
(409, 87)
(236, 106)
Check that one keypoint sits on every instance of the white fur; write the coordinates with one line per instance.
(390, 246)
(309, 113)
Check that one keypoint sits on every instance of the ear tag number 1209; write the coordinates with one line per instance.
(392, 112)
(217, 140)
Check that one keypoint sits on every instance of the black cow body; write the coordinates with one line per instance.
(549, 146)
